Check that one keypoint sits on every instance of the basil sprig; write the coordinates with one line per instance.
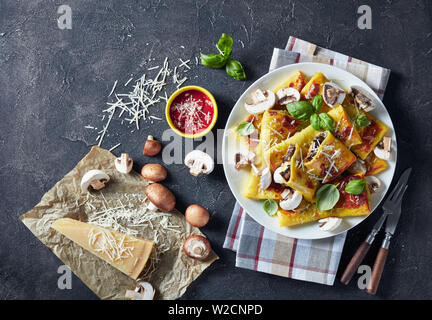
(225, 45)
(355, 186)
(300, 110)
(222, 59)
(317, 102)
(362, 121)
(306, 110)
(213, 60)
(234, 69)
(245, 128)
(315, 121)
(326, 197)
(271, 207)
(326, 122)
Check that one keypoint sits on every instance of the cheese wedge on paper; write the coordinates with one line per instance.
(126, 253)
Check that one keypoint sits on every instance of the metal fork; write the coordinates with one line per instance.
(393, 204)
(390, 206)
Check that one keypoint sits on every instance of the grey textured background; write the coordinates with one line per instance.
(54, 82)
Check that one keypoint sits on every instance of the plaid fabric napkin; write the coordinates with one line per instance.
(263, 250)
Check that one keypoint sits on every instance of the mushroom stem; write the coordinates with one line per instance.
(151, 206)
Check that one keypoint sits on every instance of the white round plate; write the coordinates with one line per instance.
(236, 179)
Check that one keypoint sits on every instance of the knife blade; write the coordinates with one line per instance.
(393, 219)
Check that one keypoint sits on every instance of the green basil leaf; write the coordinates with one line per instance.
(300, 110)
(213, 60)
(362, 121)
(326, 122)
(245, 128)
(315, 121)
(225, 45)
(271, 207)
(317, 102)
(234, 69)
(326, 197)
(356, 186)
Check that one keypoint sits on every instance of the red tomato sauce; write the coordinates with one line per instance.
(369, 134)
(192, 112)
(350, 201)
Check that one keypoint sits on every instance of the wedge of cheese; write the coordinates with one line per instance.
(126, 253)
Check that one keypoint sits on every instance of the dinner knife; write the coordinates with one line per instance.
(393, 205)
(362, 250)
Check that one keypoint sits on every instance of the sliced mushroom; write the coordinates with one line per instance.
(152, 147)
(255, 169)
(197, 215)
(261, 101)
(96, 179)
(383, 148)
(333, 94)
(277, 176)
(123, 163)
(357, 166)
(160, 198)
(199, 162)
(197, 247)
(265, 179)
(287, 95)
(362, 99)
(154, 172)
(291, 199)
(329, 224)
(374, 184)
(143, 291)
(243, 158)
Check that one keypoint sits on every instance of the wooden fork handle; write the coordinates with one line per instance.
(355, 262)
(377, 270)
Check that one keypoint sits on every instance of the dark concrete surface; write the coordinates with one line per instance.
(54, 82)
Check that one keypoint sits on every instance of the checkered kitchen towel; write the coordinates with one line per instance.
(263, 250)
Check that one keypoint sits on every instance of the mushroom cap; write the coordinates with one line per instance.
(373, 183)
(287, 95)
(123, 163)
(337, 94)
(197, 215)
(277, 177)
(93, 176)
(154, 172)
(152, 147)
(329, 223)
(363, 99)
(161, 197)
(265, 179)
(204, 158)
(143, 291)
(197, 247)
(291, 201)
(262, 100)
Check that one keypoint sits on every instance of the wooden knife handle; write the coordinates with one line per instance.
(377, 271)
(355, 262)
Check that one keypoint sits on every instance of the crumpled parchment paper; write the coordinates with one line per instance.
(170, 272)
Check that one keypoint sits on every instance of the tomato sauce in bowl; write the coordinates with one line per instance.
(191, 112)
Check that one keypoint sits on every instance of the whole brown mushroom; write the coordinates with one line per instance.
(154, 172)
(197, 215)
(160, 197)
(152, 147)
(197, 247)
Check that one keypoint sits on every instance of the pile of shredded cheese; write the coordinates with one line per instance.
(134, 106)
(123, 216)
(105, 241)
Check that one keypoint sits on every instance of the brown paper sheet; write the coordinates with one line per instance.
(170, 275)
